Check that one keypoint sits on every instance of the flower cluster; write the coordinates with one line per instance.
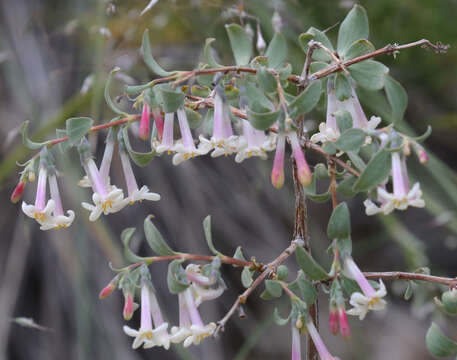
(153, 330)
(106, 198)
(49, 214)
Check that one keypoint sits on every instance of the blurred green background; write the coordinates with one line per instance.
(54, 58)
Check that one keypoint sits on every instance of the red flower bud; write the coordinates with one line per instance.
(107, 290)
(18, 191)
(158, 119)
(333, 321)
(128, 306)
(344, 324)
(144, 123)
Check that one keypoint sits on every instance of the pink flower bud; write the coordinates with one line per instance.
(128, 306)
(158, 119)
(277, 173)
(108, 289)
(18, 191)
(303, 171)
(345, 330)
(333, 321)
(144, 123)
(423, 157)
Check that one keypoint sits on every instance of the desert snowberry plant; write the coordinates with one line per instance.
(254, 109)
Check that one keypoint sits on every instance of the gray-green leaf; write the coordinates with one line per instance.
(351, 140)
(148, 59)
(369, 74)
(139, 158)
(126, 237)
(339, 225)
(155, 240)
(358, 48)
(354, 27)
(439, 344)
(343, 88)
(262, 121)
(307, 100)
(240, 42)
(25, 138)
(378, 168)
(309, 266)
(76, 128)
(176, 277)
(266, 80)
(277, 51)
(397, 97)
(208, 234)
(207, 52)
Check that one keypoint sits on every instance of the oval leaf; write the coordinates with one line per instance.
(148, 59)
(139, 158)
(246, 277)
(319, 36)
(126, 237)
(266, 80)
(25, 138)
(354, 27)
(107, 95)
(377, 169)
(308, 99)
(439, 344)
(397, 97)
(277, 51)
(176, 278)
(339, 225)
(208, 235)
(309, 266)
(369, 74)
(76, 128)
(240, 42)
(358, 48)
(171, 99)
(343, 88)
(262, 121)
(351, 140)
(155, 239)
(207, 53)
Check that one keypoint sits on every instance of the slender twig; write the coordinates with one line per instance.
(269, 269)
(398, 275)
(388, 49)
(224, 259)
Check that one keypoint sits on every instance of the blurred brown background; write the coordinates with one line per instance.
(49, 51)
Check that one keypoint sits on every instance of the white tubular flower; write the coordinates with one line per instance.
(222, 141)
(329, 131)
(147, 336)
(254, 143)
(106, 161)
(324, 354)
(191, 329)
(371, 299)
(181, 332)
(60, 220)
(135, 194)
(107, 199)
(167, 136)
(402, 197)
(199, 331)
(41, 211)
(185, 148)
